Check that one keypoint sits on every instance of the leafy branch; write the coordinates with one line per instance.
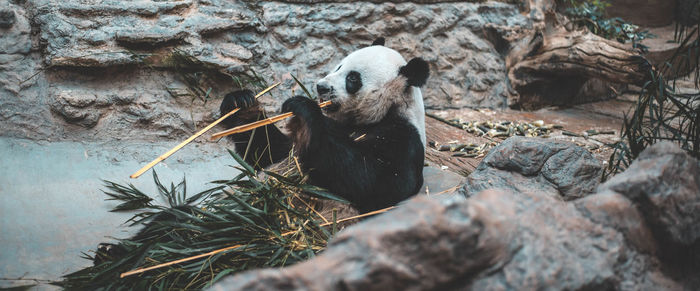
(259, 221)
(591, 14)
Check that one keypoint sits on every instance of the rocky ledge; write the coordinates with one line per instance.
(638, 230)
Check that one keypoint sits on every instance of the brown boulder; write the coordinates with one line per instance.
(664, 184)
(493, 240)
(504, 239)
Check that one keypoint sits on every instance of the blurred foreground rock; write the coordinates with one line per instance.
(510, 239)
(664, 183)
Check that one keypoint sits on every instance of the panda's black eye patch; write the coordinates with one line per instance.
(353, 82)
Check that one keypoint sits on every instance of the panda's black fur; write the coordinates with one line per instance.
(372, 165)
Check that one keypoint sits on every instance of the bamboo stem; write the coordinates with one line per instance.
(191, 138)
(141, 270)
(259, 123)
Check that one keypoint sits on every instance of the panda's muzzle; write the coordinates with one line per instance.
(323, 89)
(326, 93)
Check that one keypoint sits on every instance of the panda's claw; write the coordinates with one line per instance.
(243, 99)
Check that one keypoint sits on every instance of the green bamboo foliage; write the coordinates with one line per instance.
(262, 218)
(592, 15)
(662, 113)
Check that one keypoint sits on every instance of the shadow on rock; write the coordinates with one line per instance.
(510, 236)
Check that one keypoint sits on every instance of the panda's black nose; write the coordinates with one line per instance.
(323, 89)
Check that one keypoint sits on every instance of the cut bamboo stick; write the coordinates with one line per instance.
(191, 138)
(141, 270)
(259, 123)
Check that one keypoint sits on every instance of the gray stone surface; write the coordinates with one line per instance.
(7, 18)
(504, 239)
(535, 165)
(15, 31)
(122, 50)
(450, 36)
(436, 180)
(416, 247)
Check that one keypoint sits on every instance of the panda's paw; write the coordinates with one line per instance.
(108, 252)
(302, 107)
(243, 99)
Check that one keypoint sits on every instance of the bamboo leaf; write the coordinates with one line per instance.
(308, 94)
(246, 167)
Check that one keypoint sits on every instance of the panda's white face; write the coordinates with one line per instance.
(363, 74)
(359, 75)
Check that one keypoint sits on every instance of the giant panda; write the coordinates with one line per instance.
(367, 147)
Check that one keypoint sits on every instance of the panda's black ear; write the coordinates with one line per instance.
(378, 41)
(416, 71)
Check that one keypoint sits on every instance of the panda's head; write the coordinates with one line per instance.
(363, 75)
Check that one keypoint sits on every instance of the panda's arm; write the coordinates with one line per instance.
(268, 145)
(373, 171)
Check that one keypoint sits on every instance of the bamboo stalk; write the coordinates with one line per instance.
(191, 138)
(259, 123)
(141, 270)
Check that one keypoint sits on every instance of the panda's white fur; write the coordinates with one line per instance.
(367, 147)
(377, 65)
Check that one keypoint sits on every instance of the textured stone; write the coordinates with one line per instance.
(7, 18)
(112, 32)
(235, 51)
(150, 36)
(664, 182)
(614, 210)
(69, 104)
(15, 31)
(110, 7)
(536, 165)
(494, 240)
(512, 239)
(448, 35)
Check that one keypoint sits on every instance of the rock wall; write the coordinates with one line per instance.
(104, 69)
(638, 231)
